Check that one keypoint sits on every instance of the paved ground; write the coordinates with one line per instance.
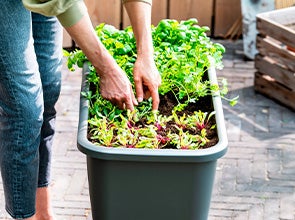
(255, 180)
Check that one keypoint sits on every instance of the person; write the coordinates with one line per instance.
(30, 81)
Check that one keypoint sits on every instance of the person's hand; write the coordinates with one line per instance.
(114, 84)
(147, 80)
(116, 87)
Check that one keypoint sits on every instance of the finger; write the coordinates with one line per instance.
(129, 104)
(147, 94)
(119, 104)
(155, 99)
(134, 101)
(139, 90)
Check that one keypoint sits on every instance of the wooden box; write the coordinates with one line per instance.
(284, 3)
(274, 62)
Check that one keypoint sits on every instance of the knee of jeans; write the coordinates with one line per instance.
(30, 110)
(51, 92)
(33, 112)
(22, 104)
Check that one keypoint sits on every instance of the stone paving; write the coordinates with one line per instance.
(255, 180)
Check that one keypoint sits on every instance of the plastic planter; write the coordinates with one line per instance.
(146, 184)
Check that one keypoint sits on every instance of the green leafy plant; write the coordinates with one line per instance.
(183, 54)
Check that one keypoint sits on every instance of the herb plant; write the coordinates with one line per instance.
(183, 55)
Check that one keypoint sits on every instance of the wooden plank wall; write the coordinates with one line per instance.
(159, 12)
(112, 12)
(227, 15)
(104, 11)
(179, 10)
(185, 9)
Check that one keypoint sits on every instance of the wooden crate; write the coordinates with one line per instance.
(274, 62)
(284, 3)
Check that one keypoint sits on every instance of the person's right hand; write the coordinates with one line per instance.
(116, 87)
(147, 80)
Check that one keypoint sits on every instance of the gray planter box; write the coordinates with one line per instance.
(149, 184)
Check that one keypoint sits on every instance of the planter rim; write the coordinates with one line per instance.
(152, 155)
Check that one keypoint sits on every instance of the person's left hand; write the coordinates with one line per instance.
(147, 80)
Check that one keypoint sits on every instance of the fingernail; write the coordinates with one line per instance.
(139, 99)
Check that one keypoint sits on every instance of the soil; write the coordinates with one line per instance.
(204, 104)
(167, 103)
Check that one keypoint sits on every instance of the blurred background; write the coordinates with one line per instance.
(227, 19)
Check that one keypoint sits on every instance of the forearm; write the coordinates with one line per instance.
(68, 12)
(140, 18)
(84, 35)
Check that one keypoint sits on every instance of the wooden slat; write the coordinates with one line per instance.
(274, 90)
(284, 16)
(279, 24)
(273, 49)
(125, 19)
(102, 11)
(159, 12)
(272, 69)
(199, 9)
(227, 13)
(284, 3)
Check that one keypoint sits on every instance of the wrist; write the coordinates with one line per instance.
(145, 47)
(146, 57)
(104, 63)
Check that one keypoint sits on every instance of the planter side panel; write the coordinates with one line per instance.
(129, 190)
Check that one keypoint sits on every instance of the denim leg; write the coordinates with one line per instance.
(22, 108)
(47, 33)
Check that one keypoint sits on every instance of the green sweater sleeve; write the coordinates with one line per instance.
(146, 1)
(68, 12)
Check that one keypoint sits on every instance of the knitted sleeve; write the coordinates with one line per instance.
(146, 1)
(68, 12)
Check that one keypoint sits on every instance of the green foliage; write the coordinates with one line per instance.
(183, 53)
(183, 48)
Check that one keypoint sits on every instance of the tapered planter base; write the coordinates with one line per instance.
(150, 191)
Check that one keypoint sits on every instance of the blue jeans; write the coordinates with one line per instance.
(30, 80)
